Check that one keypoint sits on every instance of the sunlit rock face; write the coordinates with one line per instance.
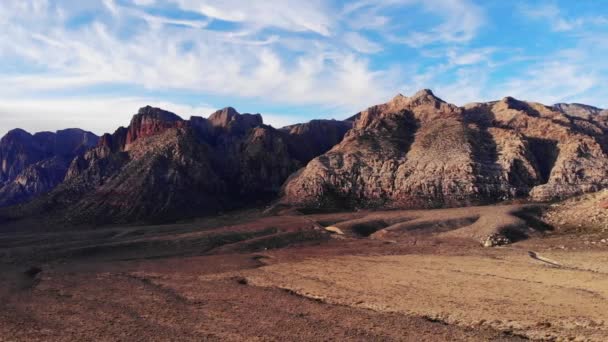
(419, 152)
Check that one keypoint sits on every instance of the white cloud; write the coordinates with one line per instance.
(111, 6)
(317, 54)
(294, 15)
(552, 81)
(144, 2)
(558, 21)
(461, 20)
(470, 56)
(231, 63)
(99, 115)
(360, 43)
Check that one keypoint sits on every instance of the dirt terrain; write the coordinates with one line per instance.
(397, 275)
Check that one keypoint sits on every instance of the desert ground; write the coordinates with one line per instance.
(413, 275)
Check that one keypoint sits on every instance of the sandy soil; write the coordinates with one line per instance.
(505, 291)
(250, 277)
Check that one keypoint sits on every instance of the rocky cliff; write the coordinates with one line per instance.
(34, 164)
(163, 168)
(420, 151)
(411, 152)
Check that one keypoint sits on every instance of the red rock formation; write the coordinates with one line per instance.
(151, 121)
(229, 118)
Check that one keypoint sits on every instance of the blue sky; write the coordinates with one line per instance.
(91, 64)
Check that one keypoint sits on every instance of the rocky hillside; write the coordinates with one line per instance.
(420, 151)
(577, 110)
(586, 213)
(162, 167)
(34, 164)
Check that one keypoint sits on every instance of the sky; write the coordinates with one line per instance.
(91, 64)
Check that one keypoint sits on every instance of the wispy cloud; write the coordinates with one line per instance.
(329, 56)
(154, 20)
(561, 79)
(558, 20)
(291, 15)
(361, 44)
(192, 57)
(461, 20)
(470, 56)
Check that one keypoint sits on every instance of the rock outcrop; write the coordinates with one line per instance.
(419, 152)
(151, 121)
(31, 165)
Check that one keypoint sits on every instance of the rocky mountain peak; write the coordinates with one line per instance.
(34, 164)
(426, 99)
(223, 117)
(422, 93)
(17, 141)
(230, 118)
(423, 96)
(513, 103)
(424, 105)
(16, 133)
(153, 113)
(398, 98)
(151, 121)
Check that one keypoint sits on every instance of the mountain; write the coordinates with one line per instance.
(411, 152)
(313, 138)
(421, 152)
(163, 168)
(35, 164)
(578, 110)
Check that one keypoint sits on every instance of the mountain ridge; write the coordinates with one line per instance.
(410, 152)
(33, 164)
(162, 167)
(420, 151)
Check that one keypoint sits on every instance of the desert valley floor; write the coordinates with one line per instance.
(394, 275)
